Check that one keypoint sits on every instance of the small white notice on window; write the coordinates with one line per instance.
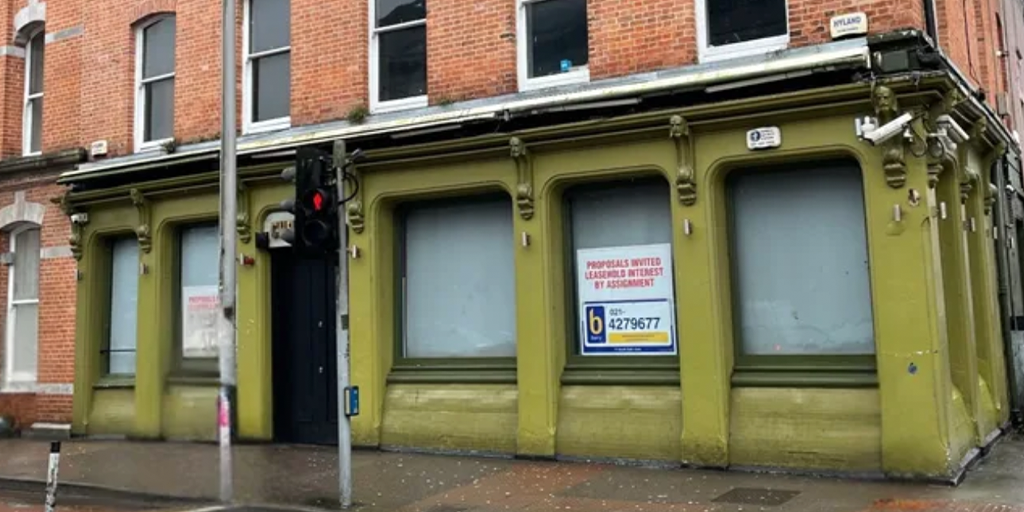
(764, 138)
(626, 300)
(199, 309)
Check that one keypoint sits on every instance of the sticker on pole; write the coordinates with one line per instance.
(626, 300)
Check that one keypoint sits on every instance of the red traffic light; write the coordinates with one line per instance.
(316, 201)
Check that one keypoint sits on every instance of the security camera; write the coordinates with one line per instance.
(80, 219)
(949, 127)
(868, 129)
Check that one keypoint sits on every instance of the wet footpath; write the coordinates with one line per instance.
(108, 476)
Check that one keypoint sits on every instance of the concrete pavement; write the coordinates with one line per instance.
(303, 476)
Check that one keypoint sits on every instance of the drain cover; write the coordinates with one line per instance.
(756, 496)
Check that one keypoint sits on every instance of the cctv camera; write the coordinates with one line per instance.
(877, 135)
(80, 219)
(952, 130)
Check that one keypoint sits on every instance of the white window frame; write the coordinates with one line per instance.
(576, 76)
(377, 106)
(26, 125)
(140, 86)
(248, 125)
(22, 382)
(707, 53)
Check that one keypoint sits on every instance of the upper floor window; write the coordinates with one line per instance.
(737, 28)
(154, 78)
(552, 43)
(267, 47)
(398, 54)
(32, 130)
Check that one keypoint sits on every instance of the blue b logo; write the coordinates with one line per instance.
(595, 324)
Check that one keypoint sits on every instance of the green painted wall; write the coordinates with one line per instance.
(833, 429)
(472, 418)
(620, 422)
(923, 276)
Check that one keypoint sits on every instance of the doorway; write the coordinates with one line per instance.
(304, 357)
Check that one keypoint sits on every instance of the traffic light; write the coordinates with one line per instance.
(315, 206)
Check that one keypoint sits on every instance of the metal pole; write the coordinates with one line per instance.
(51, 477)
(341, 330)
(226, 327)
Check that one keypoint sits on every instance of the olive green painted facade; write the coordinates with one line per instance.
(933, 392)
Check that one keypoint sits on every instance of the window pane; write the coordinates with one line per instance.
(159, 110)
(200, 247)
(26, 331)
(403, 63)
(26, 265)
(800, 257)
(36, 111)
(124, 294)
(393, 12)
(557, 36)
(460, 281)
(621, 214)
(736, 21)
(158, 44)
(272, 87)
(35, 84)
(270, 25)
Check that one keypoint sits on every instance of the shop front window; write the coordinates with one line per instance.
(621, 261)
(124, 296)
(458, 280)
(800, 263)
(199, 298)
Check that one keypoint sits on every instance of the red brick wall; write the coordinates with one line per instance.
(329, 65)
(20, 406)
(62, 78)
(57, 281)
(471, 49)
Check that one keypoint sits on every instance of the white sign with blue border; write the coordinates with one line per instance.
(626, 300)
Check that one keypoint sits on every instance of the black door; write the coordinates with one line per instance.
(304, 358)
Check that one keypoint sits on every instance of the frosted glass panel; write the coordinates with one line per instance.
(460, 281)
(26, 331)
(124, 293)
(26, 265)
(801, 264)
(622, 214)
(200, 248)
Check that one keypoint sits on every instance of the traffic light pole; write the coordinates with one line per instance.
(226, 327)
(341, 330)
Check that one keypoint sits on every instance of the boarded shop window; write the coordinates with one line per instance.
(459, 280)
(553, 43)
(736, 28)
(398, 54)
(154, 72)
(124, 296)
(200, 247)
(32, 132)
(800, 263)
(267, 64)
(21, 351)
(622, 264)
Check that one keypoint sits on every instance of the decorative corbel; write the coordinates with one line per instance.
(968, 178)
(242, 218)
(686, 182)
(524, 176)
(893, 162)
(142, 231)
(75, 240)
(354, 207)
(990, 197)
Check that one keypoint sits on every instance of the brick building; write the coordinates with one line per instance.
(553, 120)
